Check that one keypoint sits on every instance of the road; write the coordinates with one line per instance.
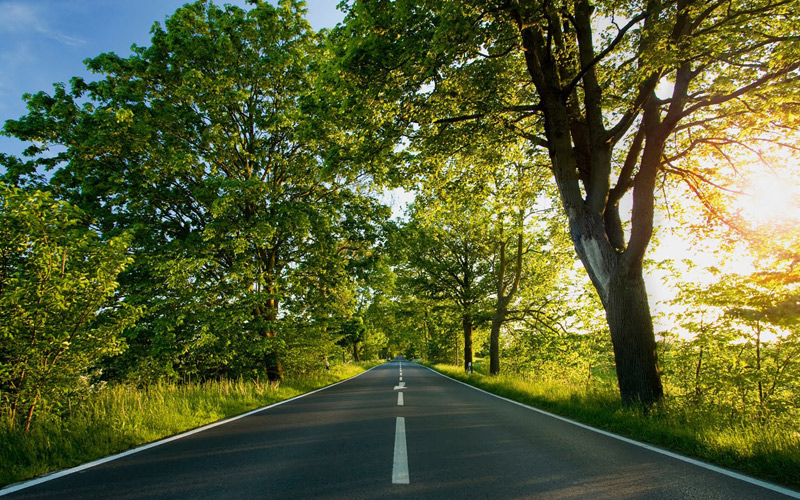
(377, 436)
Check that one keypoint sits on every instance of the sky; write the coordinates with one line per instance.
(46, 41)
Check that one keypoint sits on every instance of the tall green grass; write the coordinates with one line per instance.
(769, 451)
(120, 417)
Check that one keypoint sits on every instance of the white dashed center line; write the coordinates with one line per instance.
(400, 465)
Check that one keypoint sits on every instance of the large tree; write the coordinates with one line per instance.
(211, 145)
(607, 89)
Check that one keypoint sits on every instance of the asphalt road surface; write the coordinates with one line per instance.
(397, 431)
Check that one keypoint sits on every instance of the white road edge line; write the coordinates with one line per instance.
(698, 463)
(400, 399)
(66, 472)
(400, 463)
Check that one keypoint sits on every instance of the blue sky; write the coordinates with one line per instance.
(46, 41)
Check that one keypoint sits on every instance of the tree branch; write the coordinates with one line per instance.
(742, 91)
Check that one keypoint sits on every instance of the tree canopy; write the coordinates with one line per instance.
(612, 92)
(222, 187)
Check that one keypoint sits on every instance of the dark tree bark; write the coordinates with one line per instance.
(274, 367)
(580, 148)
(272, 361)
(467, 324)
(505, 291)
(635, 350)
(494, 339)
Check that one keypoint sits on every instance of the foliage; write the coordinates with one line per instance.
(59, 310)
(744, 349)
(210, 146)
(352, 333)
(563, 347)
(414, 326)
(613, 92)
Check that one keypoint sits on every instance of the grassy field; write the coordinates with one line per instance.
(121, 417)
(767, 451)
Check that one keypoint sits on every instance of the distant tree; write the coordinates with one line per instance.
(448, 261)
(352, 333)
(529, 248)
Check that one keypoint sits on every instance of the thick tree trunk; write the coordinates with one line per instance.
(272, 361)
(581, 148)
(467, 323)
(273, 365)
(635, 351)
(494, 338)
(620, 284)
(355, 352)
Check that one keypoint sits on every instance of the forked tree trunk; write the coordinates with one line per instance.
(467, 323)
(581, 148)
(504, 294)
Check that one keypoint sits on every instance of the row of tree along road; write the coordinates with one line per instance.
(208, 206)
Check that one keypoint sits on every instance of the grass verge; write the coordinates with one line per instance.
(767, 451)
(122, 417)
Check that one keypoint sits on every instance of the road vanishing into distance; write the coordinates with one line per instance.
(399, 430)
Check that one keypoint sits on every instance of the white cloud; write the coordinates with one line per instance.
(29, 18)
(17, 16)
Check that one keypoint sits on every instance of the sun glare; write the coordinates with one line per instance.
(768, 199)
